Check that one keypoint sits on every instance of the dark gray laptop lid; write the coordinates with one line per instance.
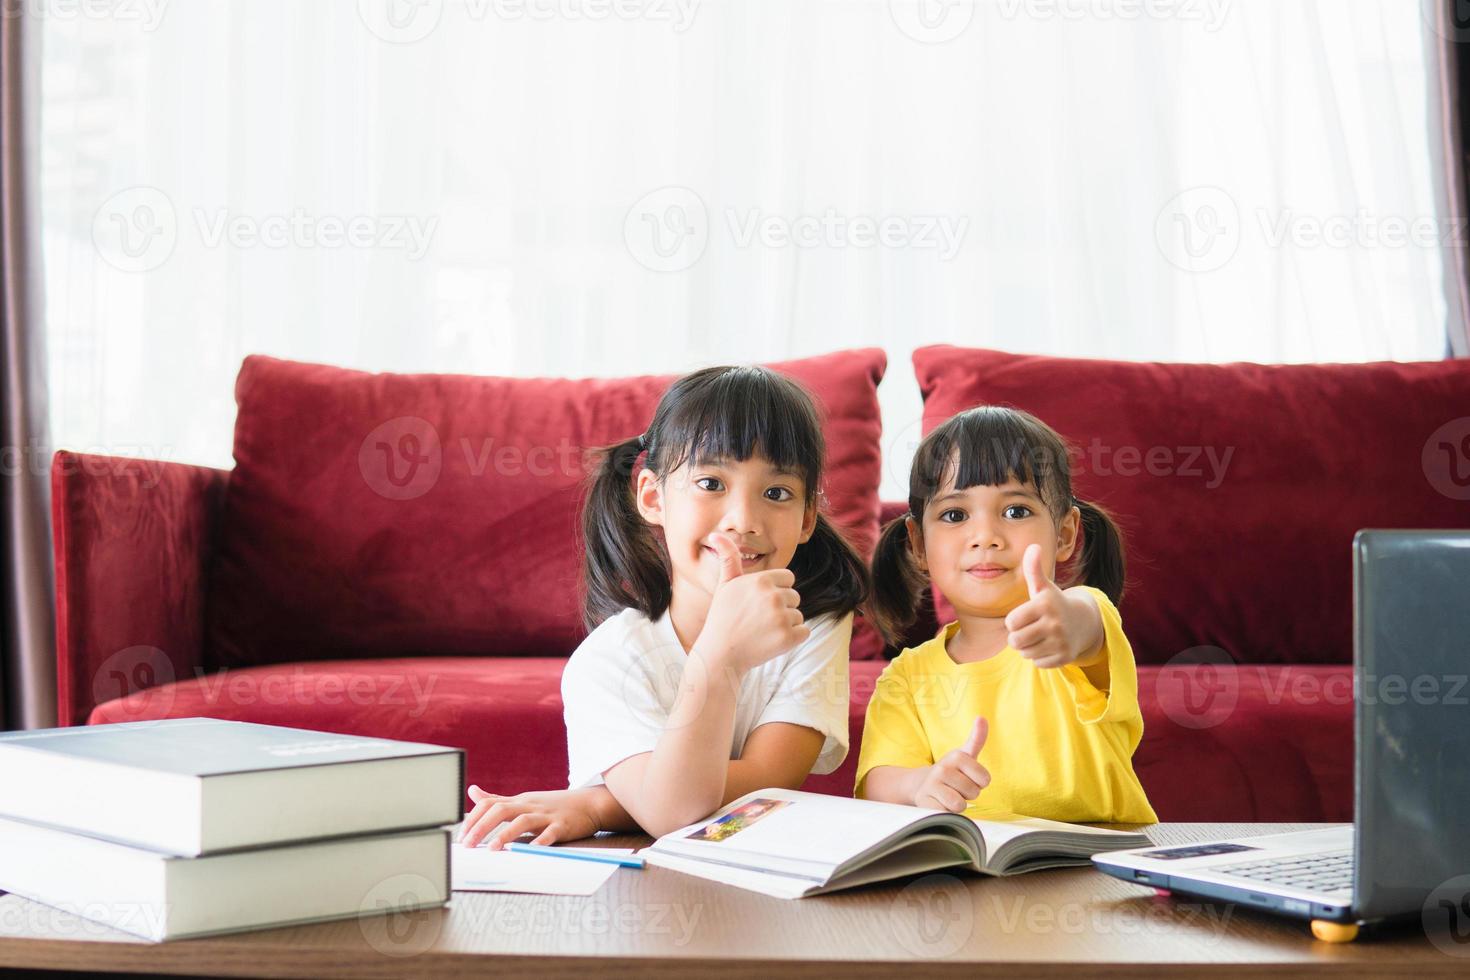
(1411, 639)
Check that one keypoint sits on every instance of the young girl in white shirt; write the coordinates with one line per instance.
(720, 606)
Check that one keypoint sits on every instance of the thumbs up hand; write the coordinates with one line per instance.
(1038, 582)
(752, 617)
(731, 566)
(958, 776)
(1053, 627)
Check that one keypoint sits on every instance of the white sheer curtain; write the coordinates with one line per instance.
(580, 187)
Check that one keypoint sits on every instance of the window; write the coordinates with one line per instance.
(571, 188)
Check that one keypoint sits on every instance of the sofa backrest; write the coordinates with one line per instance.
(398, 514)
(1238, 486)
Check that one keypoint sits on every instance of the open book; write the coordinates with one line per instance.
(792, 844)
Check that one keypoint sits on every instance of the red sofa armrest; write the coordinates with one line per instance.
(131, 541)
(925, 625)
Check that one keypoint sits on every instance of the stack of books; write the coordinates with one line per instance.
(195, 826)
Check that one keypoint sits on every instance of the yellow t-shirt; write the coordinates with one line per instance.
(1058, 747)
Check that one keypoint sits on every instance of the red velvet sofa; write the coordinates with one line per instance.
(396, 555)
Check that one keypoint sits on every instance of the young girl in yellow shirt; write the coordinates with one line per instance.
(1028, 703)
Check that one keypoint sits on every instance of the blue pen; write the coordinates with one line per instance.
(621, 860)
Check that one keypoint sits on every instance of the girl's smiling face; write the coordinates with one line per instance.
(762, 508)
(972, 540)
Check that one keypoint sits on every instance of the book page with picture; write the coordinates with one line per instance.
(790, 843)
(793, 831)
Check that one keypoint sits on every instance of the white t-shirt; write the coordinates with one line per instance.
(620, 685)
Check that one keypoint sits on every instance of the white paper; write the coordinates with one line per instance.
(777, 886)
(1000, 828)
(479, 869)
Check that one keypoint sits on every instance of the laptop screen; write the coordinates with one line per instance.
(1411, 641)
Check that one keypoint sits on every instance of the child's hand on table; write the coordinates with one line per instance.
(1054, 627)
(555, 815)
(958, 777)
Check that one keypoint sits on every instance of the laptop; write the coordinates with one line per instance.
(1411, 788)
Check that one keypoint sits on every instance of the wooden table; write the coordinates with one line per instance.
(657, 922)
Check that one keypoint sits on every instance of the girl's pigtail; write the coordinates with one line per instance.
(830, 574)
(898, 583)
(623, 564)
(1102, 564)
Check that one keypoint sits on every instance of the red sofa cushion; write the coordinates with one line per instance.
(1285, 755)
(505, 712)
(1248, 549)
(1249, 742)
(378, 515)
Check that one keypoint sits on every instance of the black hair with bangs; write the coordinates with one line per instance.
(719, 413)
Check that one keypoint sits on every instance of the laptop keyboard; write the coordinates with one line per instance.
(1330, 872)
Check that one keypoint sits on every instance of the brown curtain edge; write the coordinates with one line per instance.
(1448, 88)
(30, 619)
